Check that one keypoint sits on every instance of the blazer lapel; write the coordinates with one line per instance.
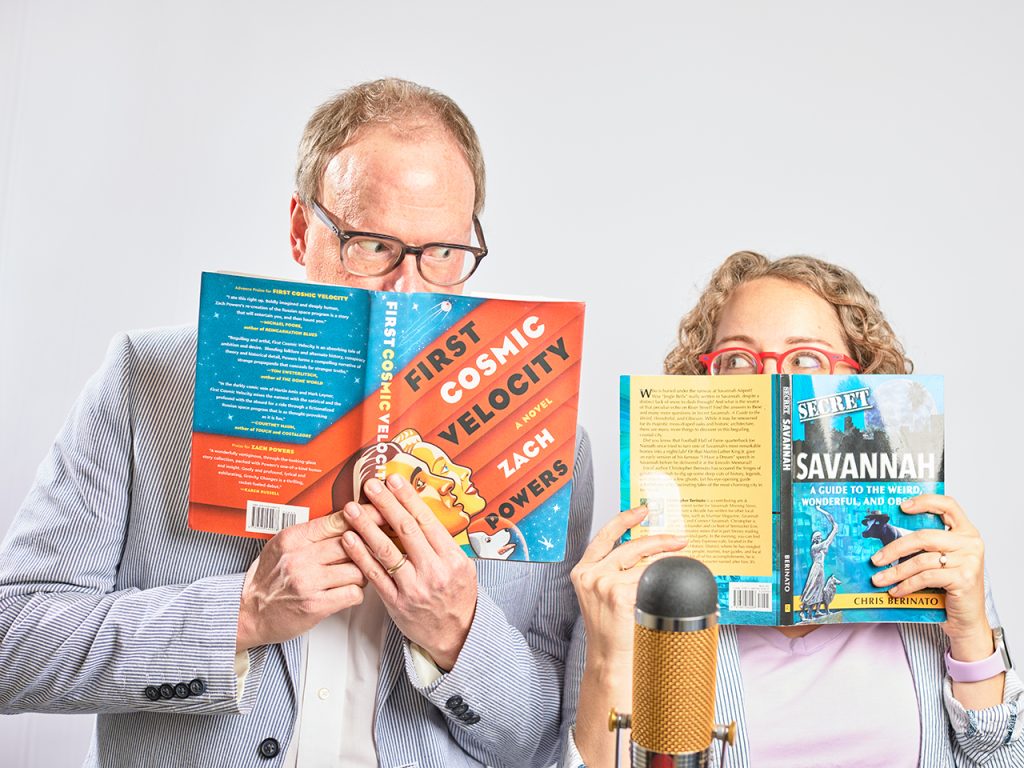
(392, 667)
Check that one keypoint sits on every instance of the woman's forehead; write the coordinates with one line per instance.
(772, 311)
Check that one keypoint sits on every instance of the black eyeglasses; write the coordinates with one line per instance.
(368, 254)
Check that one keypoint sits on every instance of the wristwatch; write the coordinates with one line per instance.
(973, 671)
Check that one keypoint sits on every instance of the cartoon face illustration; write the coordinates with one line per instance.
(435, 490)
(440, 464)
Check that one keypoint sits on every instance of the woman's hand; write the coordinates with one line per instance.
(605, 580)
(954, 560)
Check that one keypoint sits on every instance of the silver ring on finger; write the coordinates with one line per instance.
(943, 559)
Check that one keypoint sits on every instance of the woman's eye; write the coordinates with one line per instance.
(737, 362)
(420, 484)
(808, 362)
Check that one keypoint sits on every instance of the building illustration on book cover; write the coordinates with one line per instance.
(305, 391)
(785, 486)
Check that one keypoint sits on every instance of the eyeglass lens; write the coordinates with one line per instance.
(371, 256)
(739, 362)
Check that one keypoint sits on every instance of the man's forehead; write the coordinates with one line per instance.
(417, 167)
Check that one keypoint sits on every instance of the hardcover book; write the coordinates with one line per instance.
(786, 485)
(304, 391)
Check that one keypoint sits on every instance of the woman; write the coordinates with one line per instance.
(854, 694)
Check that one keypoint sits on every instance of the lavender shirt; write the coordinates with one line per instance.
(811, 700)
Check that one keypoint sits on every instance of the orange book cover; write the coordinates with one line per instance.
(304, 391)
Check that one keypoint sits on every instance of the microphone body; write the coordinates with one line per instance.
(675, 659)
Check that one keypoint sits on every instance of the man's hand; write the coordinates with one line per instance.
(431, 595)
(302, 576)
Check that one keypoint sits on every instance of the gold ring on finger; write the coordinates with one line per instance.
(397, 565)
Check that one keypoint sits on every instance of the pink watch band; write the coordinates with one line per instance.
(974, 671)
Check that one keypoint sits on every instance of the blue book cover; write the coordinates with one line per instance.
(785, 486)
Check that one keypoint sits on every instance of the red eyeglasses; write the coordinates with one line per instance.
(732, 361)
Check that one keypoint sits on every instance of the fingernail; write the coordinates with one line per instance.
(373, 485)
(396, 481)
(349, 538)
(907, 504)
(895, 591)
(352, 509)
(877, 559)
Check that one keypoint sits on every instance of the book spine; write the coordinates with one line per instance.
(625, 489)
(381, 366)
(784, 436)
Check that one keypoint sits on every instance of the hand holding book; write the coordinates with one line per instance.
(302, 576)
(430, 591)
(953, 560)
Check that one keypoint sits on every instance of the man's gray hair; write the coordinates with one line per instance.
(388, 101)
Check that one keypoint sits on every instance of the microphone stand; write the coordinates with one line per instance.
(618, 722)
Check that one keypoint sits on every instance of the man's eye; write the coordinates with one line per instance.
(420, 484)
(372, 247)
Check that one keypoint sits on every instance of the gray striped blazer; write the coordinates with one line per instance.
(105, 590)
(950, 734)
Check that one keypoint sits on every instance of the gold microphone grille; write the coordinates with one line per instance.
(674, 689)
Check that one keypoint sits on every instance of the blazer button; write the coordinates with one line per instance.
(197, 687)
(473, 720)
(460, 710)
(152, 692)
(468, 715)
(269, 748)
(166, 691)
(453, 702)
(182, 691)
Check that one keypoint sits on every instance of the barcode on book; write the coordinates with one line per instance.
(263, 517)
(749, 596)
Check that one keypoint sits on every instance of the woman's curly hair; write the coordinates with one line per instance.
(868, 335)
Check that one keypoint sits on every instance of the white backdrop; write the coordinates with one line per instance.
(629, 150)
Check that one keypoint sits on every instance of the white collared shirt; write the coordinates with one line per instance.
(341, 656)
(341, 667)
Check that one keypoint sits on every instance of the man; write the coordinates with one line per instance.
(191, 646)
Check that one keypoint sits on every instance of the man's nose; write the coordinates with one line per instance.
(406, 277)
